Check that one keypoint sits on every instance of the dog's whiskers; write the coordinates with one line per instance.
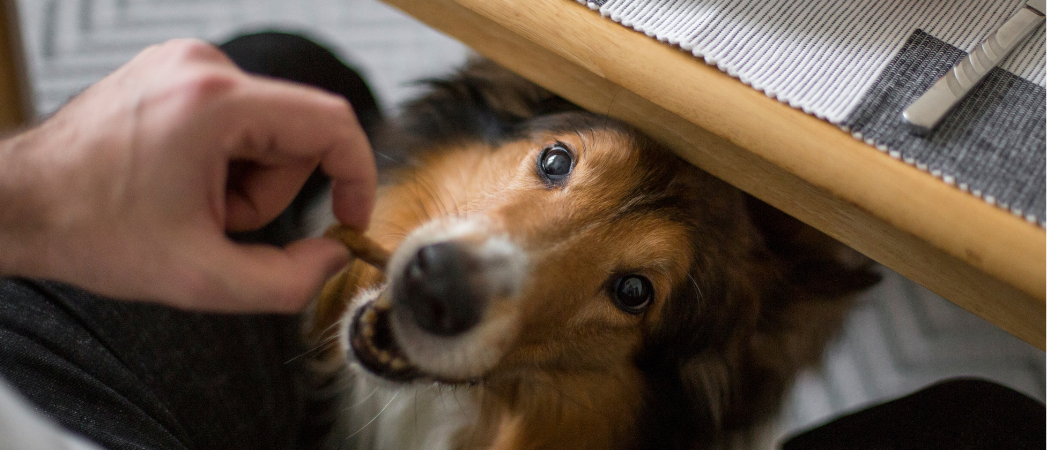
(391, 159)
(337, 386)
(330, 328)
(423, 209)
(323, 342)
(699, 297)
(463, 186)
(432, 188)
(395, 394)
(344, 381)
(398, 230)
(415, 409)
(455, 395)
(456, 210)
(366, 398)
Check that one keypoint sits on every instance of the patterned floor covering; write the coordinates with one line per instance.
(900, 338)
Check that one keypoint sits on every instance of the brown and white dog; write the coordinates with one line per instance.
(559, 280)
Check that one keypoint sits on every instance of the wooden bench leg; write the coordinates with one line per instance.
(15, 103)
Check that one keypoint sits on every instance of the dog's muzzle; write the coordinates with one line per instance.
(450, 309)
(443, 288)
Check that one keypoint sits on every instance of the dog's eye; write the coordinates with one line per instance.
(556, 162)
(632, 293)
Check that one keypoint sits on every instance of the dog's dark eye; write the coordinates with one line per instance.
(632, 293)
(556, 162)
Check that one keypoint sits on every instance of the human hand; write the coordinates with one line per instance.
(128, 190)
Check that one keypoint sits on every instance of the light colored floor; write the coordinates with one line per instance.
(73, 43)
(900, 338)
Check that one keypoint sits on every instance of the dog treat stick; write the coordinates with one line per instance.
(360, 246)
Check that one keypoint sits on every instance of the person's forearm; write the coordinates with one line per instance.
(23, 211)
(39, 175)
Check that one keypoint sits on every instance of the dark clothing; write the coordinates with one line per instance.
(961, 414)
(134, 375)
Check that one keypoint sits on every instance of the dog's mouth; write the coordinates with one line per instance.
(446, 313)
(375, 347)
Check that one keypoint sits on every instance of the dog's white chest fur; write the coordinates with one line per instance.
(383, 415)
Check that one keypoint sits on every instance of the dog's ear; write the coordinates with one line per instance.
(803, 298)
(811, 260)
(776, 291)
(481, 102)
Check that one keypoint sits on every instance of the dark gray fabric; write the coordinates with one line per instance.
(992, 144)
(958, 414)
(133, 375)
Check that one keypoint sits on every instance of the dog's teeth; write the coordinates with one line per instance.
(385, 357)
(370, 316)
(398, 364)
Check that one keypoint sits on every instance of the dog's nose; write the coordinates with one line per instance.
(439, 287)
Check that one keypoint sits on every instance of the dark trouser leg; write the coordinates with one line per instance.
(133, 375)
(962, 414)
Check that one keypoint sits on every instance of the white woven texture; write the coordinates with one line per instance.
(819, 55)
(900, 338)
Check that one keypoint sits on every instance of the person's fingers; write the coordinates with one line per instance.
(257, 194)
(261, 278)
(353, 201)
(285, 120)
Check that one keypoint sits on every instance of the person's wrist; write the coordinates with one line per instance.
(29, 187)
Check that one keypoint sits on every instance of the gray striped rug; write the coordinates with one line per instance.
(859, 63)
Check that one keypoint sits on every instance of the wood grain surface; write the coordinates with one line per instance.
(14, 110)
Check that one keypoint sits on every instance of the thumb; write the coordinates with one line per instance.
(284, 280)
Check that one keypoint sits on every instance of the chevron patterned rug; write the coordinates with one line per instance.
(900, 337)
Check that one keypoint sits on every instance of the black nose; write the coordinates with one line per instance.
(439, 287)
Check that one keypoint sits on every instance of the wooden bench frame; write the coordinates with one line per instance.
(16, 106)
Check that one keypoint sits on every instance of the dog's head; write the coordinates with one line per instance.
(580, 246)
(558, 248)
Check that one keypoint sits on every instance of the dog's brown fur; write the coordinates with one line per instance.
(745, 296)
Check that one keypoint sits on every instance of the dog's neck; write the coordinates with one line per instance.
(569, 410)
(554, 410)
